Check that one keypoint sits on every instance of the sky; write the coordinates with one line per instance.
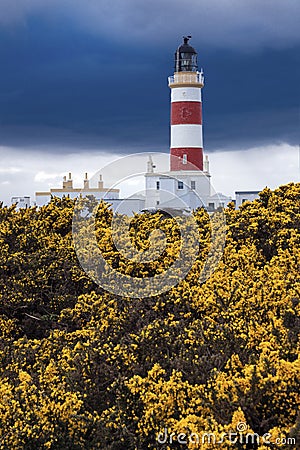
(84, 82)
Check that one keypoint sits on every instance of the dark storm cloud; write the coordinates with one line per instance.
(223, 23)
(93, 74)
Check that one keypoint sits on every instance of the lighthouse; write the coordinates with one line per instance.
(186, 144)
(188, 179)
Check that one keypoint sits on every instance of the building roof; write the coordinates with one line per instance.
(247, 192)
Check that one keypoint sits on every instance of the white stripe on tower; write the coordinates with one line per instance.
(186, 136)
(186, 94)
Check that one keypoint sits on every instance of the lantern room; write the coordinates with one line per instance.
(186, 57)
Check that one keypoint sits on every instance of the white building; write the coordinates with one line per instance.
(243, 196)
(67, 190)
(21, 202)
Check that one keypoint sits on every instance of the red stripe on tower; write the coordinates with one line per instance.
(186, 159)
(186, 111)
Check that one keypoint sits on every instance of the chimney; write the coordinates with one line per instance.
(206, 164)
(86, 183)
(150, 165)
(100, 182)
(68, 184)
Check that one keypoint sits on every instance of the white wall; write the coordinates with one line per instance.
(127, 206)
(42, 200)
(241, 196)
(168, 189)
(22, 202)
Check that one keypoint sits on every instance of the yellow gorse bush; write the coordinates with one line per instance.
(83, 369)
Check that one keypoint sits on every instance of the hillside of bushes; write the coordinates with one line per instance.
(82, 368)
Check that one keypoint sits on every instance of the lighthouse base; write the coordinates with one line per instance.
(178, 189)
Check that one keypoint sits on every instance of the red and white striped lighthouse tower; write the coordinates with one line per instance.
(186, 110)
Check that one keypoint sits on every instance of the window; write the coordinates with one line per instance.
(193, 184)
(211, 206)
(157, 202)
(184, 159)
(180, 184)
(157, 185)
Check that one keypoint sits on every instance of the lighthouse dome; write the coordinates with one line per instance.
(186, 57)
(186, 47)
